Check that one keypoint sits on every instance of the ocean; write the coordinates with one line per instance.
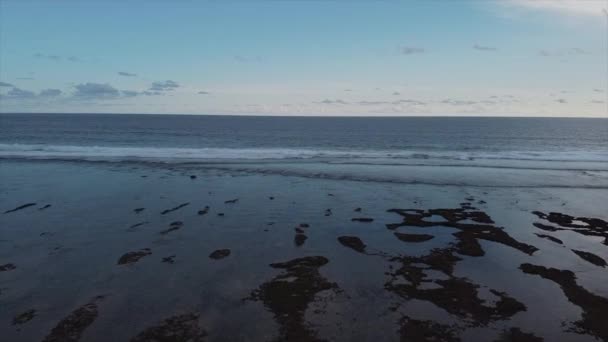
(445, 150)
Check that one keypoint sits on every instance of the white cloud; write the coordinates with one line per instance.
(576, 7)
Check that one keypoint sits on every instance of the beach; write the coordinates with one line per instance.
(131, 242)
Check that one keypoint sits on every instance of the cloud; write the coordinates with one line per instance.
(348, 90)
(562, 52)
(130, 93)
(203, 93)
(396, 93)
(484, 48)
(167, 85)
(458, 102)
(50, 92)
(408, 50)
(561, 101)
(95, 90)
(57, 58)
(151, 93)
(570, 7)
(396, 102)
(4, 84)
(26, 78)
(126, 74)
(16, 93)
(597, 101)
(598, 90)
(337, 101)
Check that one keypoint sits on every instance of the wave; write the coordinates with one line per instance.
(381, 157)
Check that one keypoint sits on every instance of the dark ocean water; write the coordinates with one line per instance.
(179, 137)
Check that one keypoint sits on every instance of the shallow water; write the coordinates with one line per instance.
(66, 254)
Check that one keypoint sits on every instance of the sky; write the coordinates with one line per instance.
(273, 57)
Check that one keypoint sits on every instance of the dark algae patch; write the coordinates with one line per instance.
(71, 328)
(173, 226)
(582, 225)
(169, 260)
(27, 205)
(219, 254)
(133, 257)
(299, 239)
(430, 277)
(7, 267)
(413, 330)
(362, 219)
(180, 328)
(138, 210)
(549, 237)
(590, 257)
(516, 335)
(413, 237)
(166, 211)
(24, 317)
(482, 228)
(138, 224)
(232, 201)
(289, 294)
(352, 242)
(595, 308)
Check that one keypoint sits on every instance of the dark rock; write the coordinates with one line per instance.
(138, 224)
(132, 257)
(174, 208)
(232, 201)
(549, 237)
(289, 294)
(299, 239)
(328, 212)
(20, 207)
(352, 242)
(7, 267)
(219, 254)
(71, 328)
(413, 237)
(581, 225)
(204, 210)
(220, 214)
(299, 230)
(469, 232)
(426, 331)
(193, 177)
(358, 210)
(24, 317)
(169, 230)
(170, 259)
(590, 257)
(45, 207)
(516, 335)
(270, 198)
(594, 307)
(362, 219)
(180, 328)
(138, 210)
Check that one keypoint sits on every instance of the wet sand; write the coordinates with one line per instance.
(134, 252)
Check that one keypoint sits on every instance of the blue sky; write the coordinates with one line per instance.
(508, 57)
